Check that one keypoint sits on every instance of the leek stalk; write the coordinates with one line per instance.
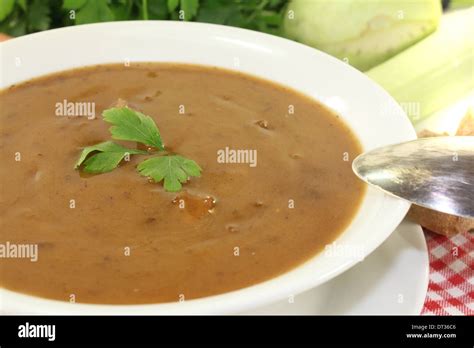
(434, 72)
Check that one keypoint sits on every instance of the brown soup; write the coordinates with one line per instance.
(117, 238)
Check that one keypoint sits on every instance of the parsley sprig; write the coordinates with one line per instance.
(131, 125)
(19, 17)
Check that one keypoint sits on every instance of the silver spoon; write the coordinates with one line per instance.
(436, 173)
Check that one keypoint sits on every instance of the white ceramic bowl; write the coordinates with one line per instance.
(372, 114)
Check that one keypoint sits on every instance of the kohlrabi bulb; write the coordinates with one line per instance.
(362, 32)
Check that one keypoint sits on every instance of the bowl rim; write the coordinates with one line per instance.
(238, 300)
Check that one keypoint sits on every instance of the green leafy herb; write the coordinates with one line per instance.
(132, 125)
(189, 8)
(38, 15)
(6, 8)
(94, 11)
(173, 169)
(73, 4)
(107, 158)
(19, 17)
(129, 124)
(262, 15)
(22, 4)
(172, 5)
(157, 9)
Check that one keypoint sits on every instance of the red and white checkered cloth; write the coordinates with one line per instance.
(451, 286)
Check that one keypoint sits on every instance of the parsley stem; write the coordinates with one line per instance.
(257, 10)
(145, 9)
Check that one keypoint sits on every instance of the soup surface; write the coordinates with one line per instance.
(116, 237)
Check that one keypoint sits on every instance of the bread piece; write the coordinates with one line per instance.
(438, 222)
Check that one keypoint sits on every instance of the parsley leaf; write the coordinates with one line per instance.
(38, 15)
(15, 24)
(218, 11)
(73, 4)
(6, 8)
(189, 8)
(107, 159)
(157, 9)
(132, 125)
(22, 4)
(172, 5)
(94, 11)
(173, 169)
